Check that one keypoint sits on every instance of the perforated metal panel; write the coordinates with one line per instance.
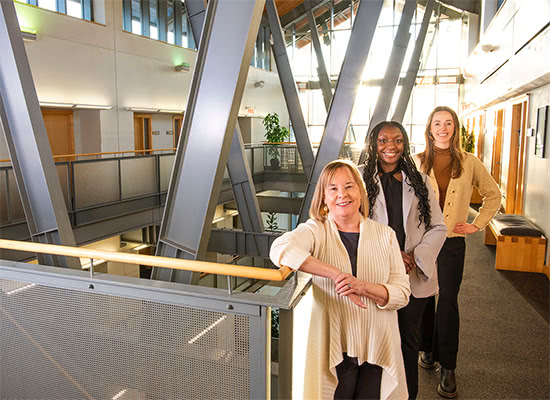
(67, 344)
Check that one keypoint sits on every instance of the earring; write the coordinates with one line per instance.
(324, 211)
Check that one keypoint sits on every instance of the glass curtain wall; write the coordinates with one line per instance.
(439, 78)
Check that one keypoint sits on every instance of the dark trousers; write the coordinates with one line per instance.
(357, 381)
(409, 322)
(440, 334)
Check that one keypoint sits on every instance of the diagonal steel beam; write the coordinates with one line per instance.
(393, 70)
(324, 79)
(219, 77)
(414, 65)
(289, 88)
(28, 144)
(237, 165)
(344, 95)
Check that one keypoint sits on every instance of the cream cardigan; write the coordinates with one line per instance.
(459, 193)
(339, 326)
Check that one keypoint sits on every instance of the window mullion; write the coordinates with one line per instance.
(127, 15)
(145, 18)
(178, 12)
(162, 20)
(62, 6)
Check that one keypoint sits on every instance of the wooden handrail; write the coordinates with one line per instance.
(154, 261)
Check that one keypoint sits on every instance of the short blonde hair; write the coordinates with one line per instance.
(317, 210)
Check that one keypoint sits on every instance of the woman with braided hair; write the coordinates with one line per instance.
(401, 197)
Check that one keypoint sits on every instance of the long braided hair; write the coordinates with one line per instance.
(406, 164)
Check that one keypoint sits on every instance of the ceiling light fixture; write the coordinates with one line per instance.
(92, 107)
(259, 84)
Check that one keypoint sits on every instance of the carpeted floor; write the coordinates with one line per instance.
(504, 336)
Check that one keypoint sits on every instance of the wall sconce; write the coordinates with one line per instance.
(259, 84)
(182, 67)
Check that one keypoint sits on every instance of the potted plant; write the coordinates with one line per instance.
(468, 140)
(275, 134)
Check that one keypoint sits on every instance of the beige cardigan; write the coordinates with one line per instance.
(337, 325)
(459, 193)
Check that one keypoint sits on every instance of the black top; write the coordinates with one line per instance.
(393, 192)
(351, 242)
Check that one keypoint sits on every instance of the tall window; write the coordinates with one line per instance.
(75, 8)
(262, 51)
(164, 20)
(438, 79)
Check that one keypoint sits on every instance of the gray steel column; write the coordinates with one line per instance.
(393, 70)
(259, 351)
(237, 165)
(344, 94)
(196, 11)
(414, 65)
(219, 77)
(243, 185)
(324, 79)
(28, 144)
(289, 88)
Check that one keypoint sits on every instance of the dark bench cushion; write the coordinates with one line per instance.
(515, 225)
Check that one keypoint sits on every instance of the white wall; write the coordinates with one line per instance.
(537, 169)
(77, 61)
(520, 52)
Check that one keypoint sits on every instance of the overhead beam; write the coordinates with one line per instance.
(393, 70)
(219, 77)
(324, 79)
(414, 65)
(28, 145)
(290, 91)
(343, 99)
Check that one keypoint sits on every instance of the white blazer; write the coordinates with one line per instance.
(425, 243)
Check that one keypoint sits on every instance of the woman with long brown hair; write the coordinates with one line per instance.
(453, 174)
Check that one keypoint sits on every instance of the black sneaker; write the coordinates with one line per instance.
(447, 384)
(426, 360)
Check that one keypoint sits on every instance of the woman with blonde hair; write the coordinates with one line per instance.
(453, 174)
(359, 282)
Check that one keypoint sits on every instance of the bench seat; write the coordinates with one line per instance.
(521, 246)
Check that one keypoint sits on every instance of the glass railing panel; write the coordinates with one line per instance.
(96, 182)
(258, 159)
(166, 162)
(138, 176)
(4, 216)
(16, 207)
(63, 174)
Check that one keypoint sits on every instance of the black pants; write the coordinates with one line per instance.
(409, 323)
(440, 334)
(357, 381)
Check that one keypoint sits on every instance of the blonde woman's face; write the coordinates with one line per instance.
(442, 129)
(342, 196)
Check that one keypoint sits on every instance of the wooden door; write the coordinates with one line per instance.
(497, 146)
(514, 192)
(60, 128)
(143, 133)
(481, 137)
(177, 121)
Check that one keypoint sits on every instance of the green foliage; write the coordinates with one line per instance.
(468, 140)
(271, 221)
(275, 322)
(274, 132)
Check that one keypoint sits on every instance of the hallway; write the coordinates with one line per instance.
(504, 337)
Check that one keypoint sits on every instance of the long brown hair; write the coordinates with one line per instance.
(318, 209)
(457, 156)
